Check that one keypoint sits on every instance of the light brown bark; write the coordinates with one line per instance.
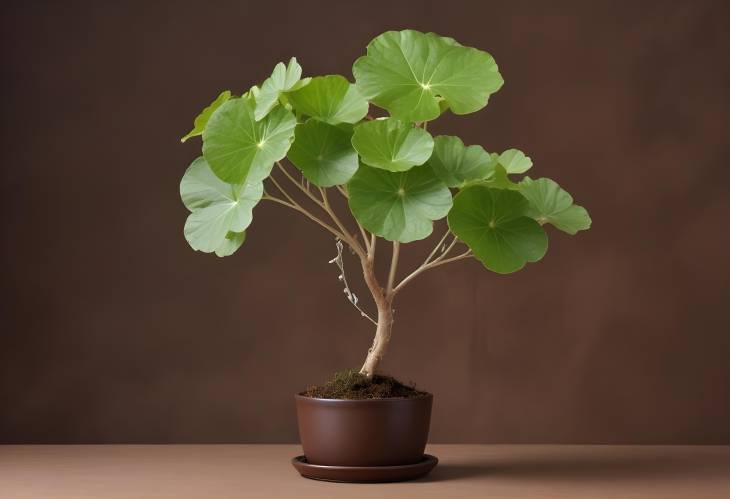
(385, 319)
(381, 340)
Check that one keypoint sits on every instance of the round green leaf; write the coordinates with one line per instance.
(392, 145)
(217, 207)
(323, 153)
(454, 163)
(330, 98)
(233, 241)
(409, 73)
(399, 206)
(499, 179)
(238, 148)
(202, 119)
(549, 203)
(282, 79)
(492, 222)
(515, 161)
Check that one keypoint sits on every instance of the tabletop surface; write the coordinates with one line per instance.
(264, 471)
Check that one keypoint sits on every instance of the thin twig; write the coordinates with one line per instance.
(438, 245)
(346, 236)
(352, 241)
(299, 185)
(434, 264)
(304, 181)
(330, 211)
(343, 190)
(281, 189)
(365, 238)
(466, 254)
(363, 232)
(303, 211)
(393, 268)
(446, 250)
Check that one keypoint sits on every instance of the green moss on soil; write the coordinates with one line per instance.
(355, 386)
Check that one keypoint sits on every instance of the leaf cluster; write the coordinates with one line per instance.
(398, 178)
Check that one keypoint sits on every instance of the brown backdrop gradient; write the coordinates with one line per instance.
(114, 330)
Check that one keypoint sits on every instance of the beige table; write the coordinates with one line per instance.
(263, 471)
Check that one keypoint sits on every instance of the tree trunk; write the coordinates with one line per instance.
(381, 340)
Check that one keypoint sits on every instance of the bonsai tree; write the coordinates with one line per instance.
(396, 178)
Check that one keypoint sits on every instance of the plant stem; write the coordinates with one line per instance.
(300, 186)
(385, 319)
(438, 245)
(436, 263)
(281, 189)
(383, 298)
(365, 238)
(446, 251)
(324, 204)
(366, 241)
(381, 340)
(393, 268)
(367, 261)
(303, 211)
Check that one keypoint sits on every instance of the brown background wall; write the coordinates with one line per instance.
(113, 330)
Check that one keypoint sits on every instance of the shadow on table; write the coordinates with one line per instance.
(580, 467)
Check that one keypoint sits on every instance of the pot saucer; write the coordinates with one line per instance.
(364, 474)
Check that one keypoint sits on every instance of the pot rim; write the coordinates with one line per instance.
(426, 395)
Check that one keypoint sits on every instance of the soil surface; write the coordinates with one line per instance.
(352, 385)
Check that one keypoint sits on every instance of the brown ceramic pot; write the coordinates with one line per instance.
(371, 432)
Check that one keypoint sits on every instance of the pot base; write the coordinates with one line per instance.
(364, 474)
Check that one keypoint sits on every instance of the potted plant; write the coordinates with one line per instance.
(397, 180)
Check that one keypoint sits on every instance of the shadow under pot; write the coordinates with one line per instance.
(364, 433)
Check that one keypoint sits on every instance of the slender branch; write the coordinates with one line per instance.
(446, 250)
(425, 125)
(330, 211)
(365, 238)
(434, 264)
(304, 181)
(366, 259)
(436, 248)
(352, 241)
(324, 204)
(300, 186)
(281, 189)
(393, 268)
(303, 211)
(466, 254)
